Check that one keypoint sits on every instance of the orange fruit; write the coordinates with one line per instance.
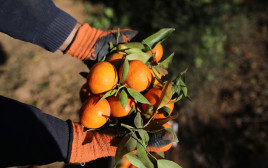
(166, 125)
(115, 58)
(153, 96)
(139, 76)
(102, 77)
(155, 72)
(93, 114)
(158, 52)
(84, 92)
(117, 109)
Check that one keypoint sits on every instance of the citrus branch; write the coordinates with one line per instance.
(119, 88)
(148, 122)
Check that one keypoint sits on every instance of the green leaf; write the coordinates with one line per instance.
(150, 108)
(183, 88)
(133, 110)
(143, 57)
(124, 71)
(156, 75)
(144, 136)
(107, 94)
(142, 155)
(133, 159)
(118, 164)
(165, 64)
(163, 163)
(103, 59)
(126, 145)
(160, 155)
(166, 95)
(172, 131)
(111, 46)
(133, 50)
(137, 96)
(159, 70)
(157, 123)
(147, 116)
(166, 110)
(138, 121)
(123, 98)
(118, 35)
(177, 99)
(176, 89)
(157, 37)
(135, 45)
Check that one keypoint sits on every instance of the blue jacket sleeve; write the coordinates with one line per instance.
(31, 137)
(36, 21)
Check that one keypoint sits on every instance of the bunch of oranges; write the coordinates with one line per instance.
(103, 77)
(130, 80)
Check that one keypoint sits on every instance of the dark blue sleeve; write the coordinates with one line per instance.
(36, 21)
(29, 136)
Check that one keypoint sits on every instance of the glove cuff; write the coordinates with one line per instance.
(85, 146)
(83, 44)
(90, 145)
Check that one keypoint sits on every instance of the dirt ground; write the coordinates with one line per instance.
(224, 126)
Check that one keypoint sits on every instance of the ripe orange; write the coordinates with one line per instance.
(116, 108)
(153, 96)
(84, 92)
(158, 52)
(102, 77)
(139, 75)
(93, 114)
(166, 125)
(155, 72)
(115, 58)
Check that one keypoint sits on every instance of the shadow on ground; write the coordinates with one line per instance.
(3, 56)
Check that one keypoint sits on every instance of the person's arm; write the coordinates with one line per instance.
(31, 137)
(40, 22)
(36, 21)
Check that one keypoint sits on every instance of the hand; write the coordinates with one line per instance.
(91, 145)
(93, 44)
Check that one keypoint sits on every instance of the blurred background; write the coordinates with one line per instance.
(224, 45)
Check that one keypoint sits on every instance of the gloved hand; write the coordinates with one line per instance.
(91, 44)
(91, 145)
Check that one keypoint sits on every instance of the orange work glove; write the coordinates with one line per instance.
(91, 145)
(91, 44)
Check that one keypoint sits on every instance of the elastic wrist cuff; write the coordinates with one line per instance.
(58, 31)
(84, 42)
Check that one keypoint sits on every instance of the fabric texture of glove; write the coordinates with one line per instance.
(91, 145)
(91, 44)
